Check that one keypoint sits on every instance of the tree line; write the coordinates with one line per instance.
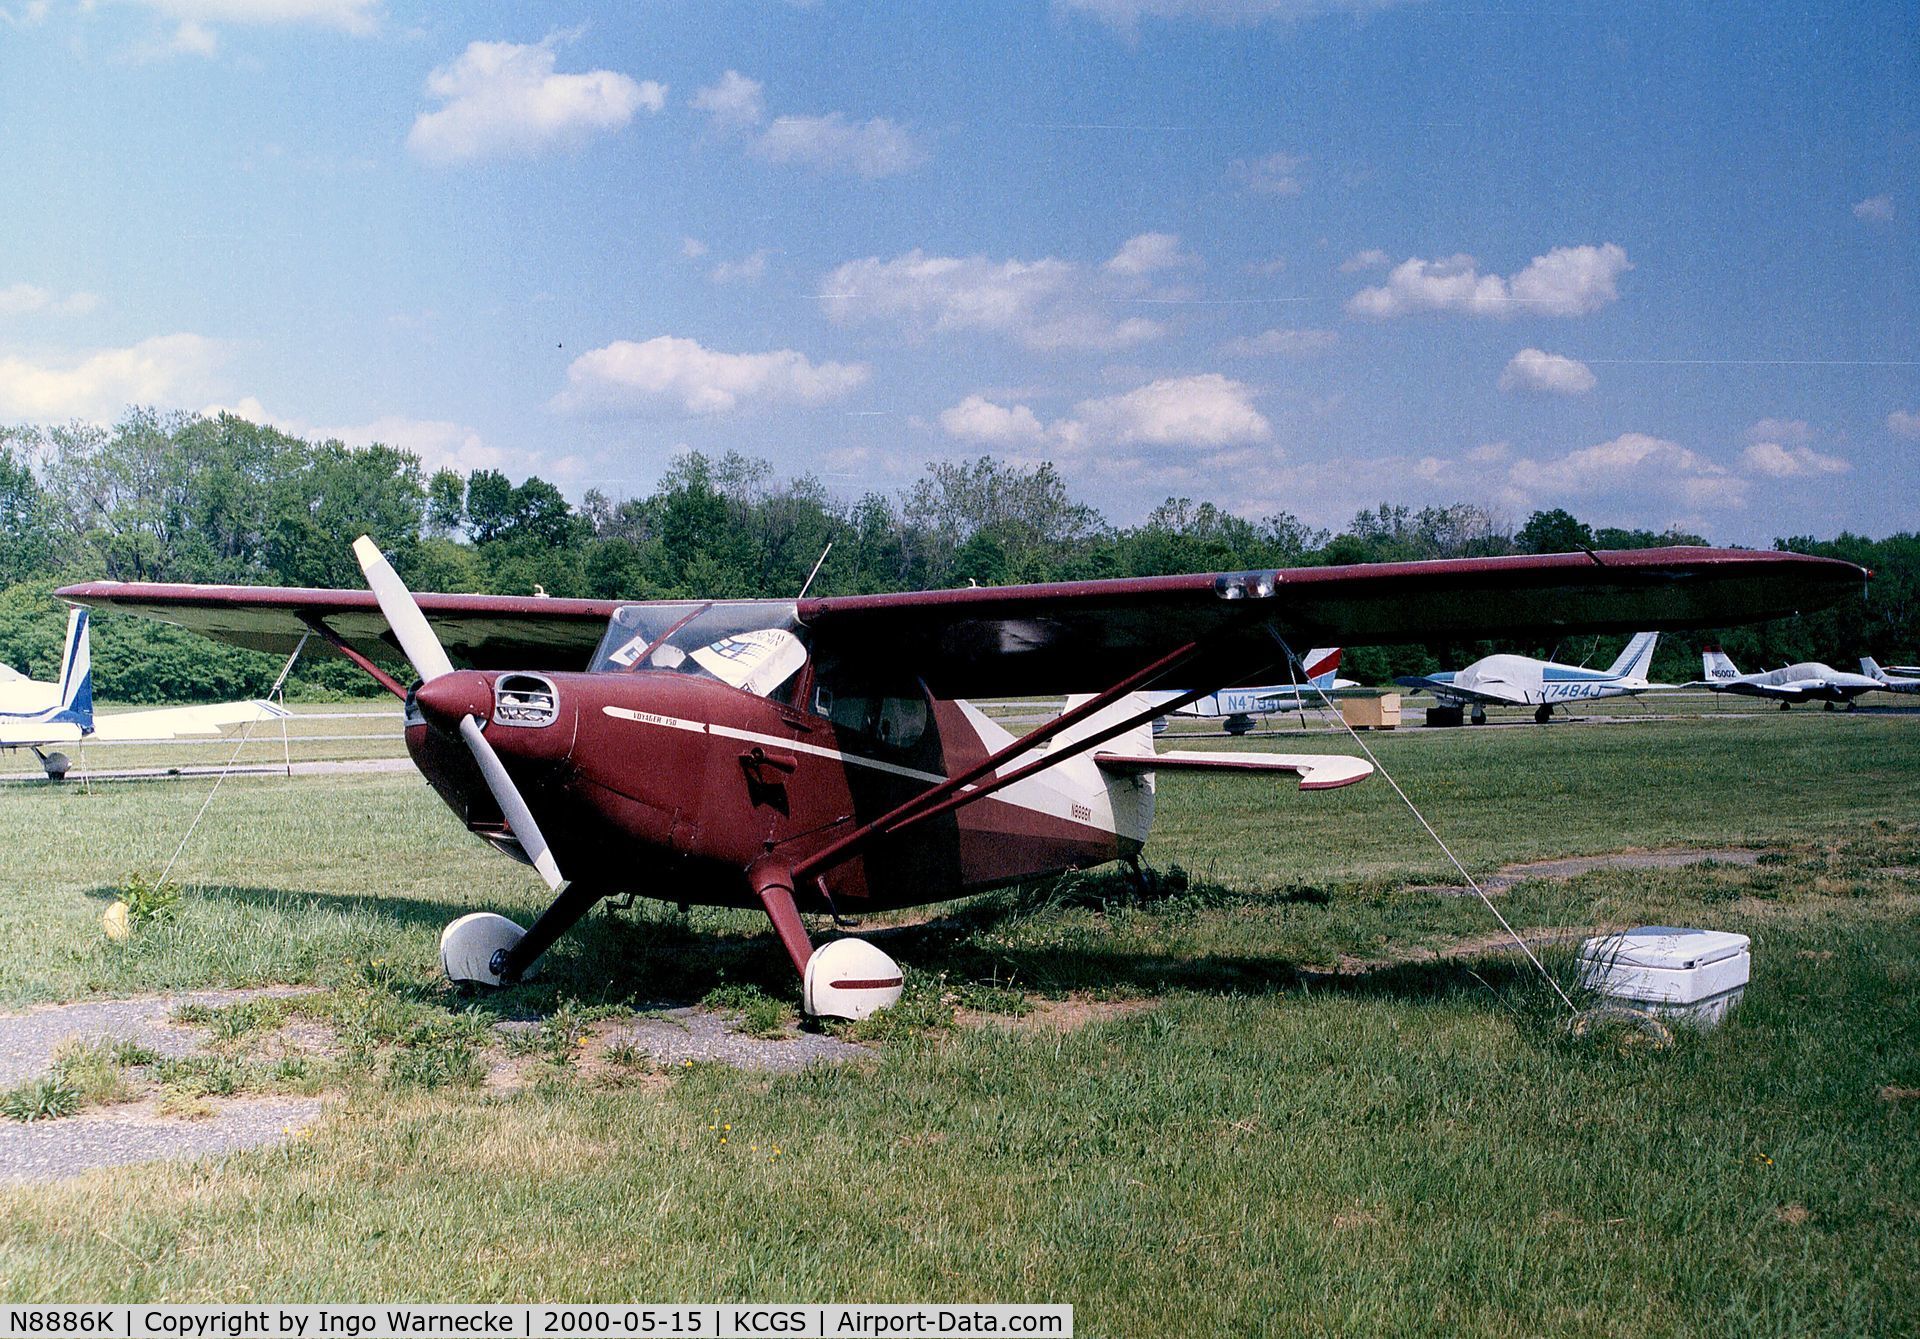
(160, 497)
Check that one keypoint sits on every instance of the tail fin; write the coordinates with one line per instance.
(1633, 662)
(1321, 664)
(1871, 668)
(1135, 743)
(76, 673)
(1715, 666)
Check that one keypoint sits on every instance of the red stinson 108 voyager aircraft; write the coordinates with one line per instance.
(819, 755)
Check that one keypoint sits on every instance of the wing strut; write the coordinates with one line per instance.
(333, 639)
(967, 787)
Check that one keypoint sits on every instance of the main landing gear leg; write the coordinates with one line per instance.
(489, 950)
(1542, 714)
(848, 978)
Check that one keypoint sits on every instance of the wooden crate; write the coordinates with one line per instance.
(1371, 713)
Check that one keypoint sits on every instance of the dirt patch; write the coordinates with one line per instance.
(1793, 1215)
(1573, 867)
(679, 1038)
(30, 1041)
(1893, 1093)
(1068, 1015)
(117, 1136)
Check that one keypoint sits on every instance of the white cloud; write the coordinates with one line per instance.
(1491, 453)
(1276, 174)
(625, 376)
(1875, 209)
(830, 143)
(734, 102)
(503, 99)
(1203, 412)
(978, 419)
(1124, 15)
(1790, 462)
(1148, 252)
(439, 443)
(1904, 423)
(692, 248)
(29, 299)
(1281, 343)
(1567, 281)
(1045, 304)
(1370, 259)
(1633, 468)
(30, 15)
(1781, 430)
(351, 16)
(1547, 374)
(168, 371)
(747, 269)
(876, 148)
(1266, 269)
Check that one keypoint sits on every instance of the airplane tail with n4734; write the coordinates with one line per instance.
(824, 755)
(40, 716)
(1236, 708)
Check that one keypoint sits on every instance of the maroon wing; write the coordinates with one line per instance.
(1081, 636)
(484, 631)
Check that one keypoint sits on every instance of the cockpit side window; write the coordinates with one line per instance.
(757, 646)
(897, 722)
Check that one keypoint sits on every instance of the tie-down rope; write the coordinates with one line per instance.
(1414, 809)
(245, 734)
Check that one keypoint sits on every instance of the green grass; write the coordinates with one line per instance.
(1308, 1124)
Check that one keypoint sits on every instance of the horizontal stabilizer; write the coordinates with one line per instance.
(1317, 771)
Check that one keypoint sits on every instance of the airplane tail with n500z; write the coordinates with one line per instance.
(821, 754)
(1807, 681)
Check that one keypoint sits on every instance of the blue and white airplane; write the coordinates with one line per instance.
(1239, 706)
(1808, 681)
(38, 716)
(1522, 681)
(1898, 680)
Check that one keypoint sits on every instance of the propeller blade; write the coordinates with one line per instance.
(410, 626)
(507, 795)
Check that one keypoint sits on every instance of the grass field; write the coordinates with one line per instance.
(1285, 1092)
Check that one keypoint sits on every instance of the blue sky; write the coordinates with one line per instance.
(1658, 264)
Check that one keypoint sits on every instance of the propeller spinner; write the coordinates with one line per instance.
(430, 662)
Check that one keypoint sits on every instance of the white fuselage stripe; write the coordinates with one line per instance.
(771, 741)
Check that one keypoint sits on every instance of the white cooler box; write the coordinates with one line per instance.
(1694, 975)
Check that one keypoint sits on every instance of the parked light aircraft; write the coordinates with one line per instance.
(1240, 705)
(1808, 681)
(1901, 680)
(817, 754)
(38, 716)
(1522, 681)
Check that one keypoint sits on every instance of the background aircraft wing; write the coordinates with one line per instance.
(24, 734)
(171, 722)
(1080, 636)
(1445, 688)
(482, 631)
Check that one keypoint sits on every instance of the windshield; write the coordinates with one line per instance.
(753, 645)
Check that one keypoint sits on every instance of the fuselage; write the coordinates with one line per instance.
(1808, 681)
(670, 785)
(1526, 682)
